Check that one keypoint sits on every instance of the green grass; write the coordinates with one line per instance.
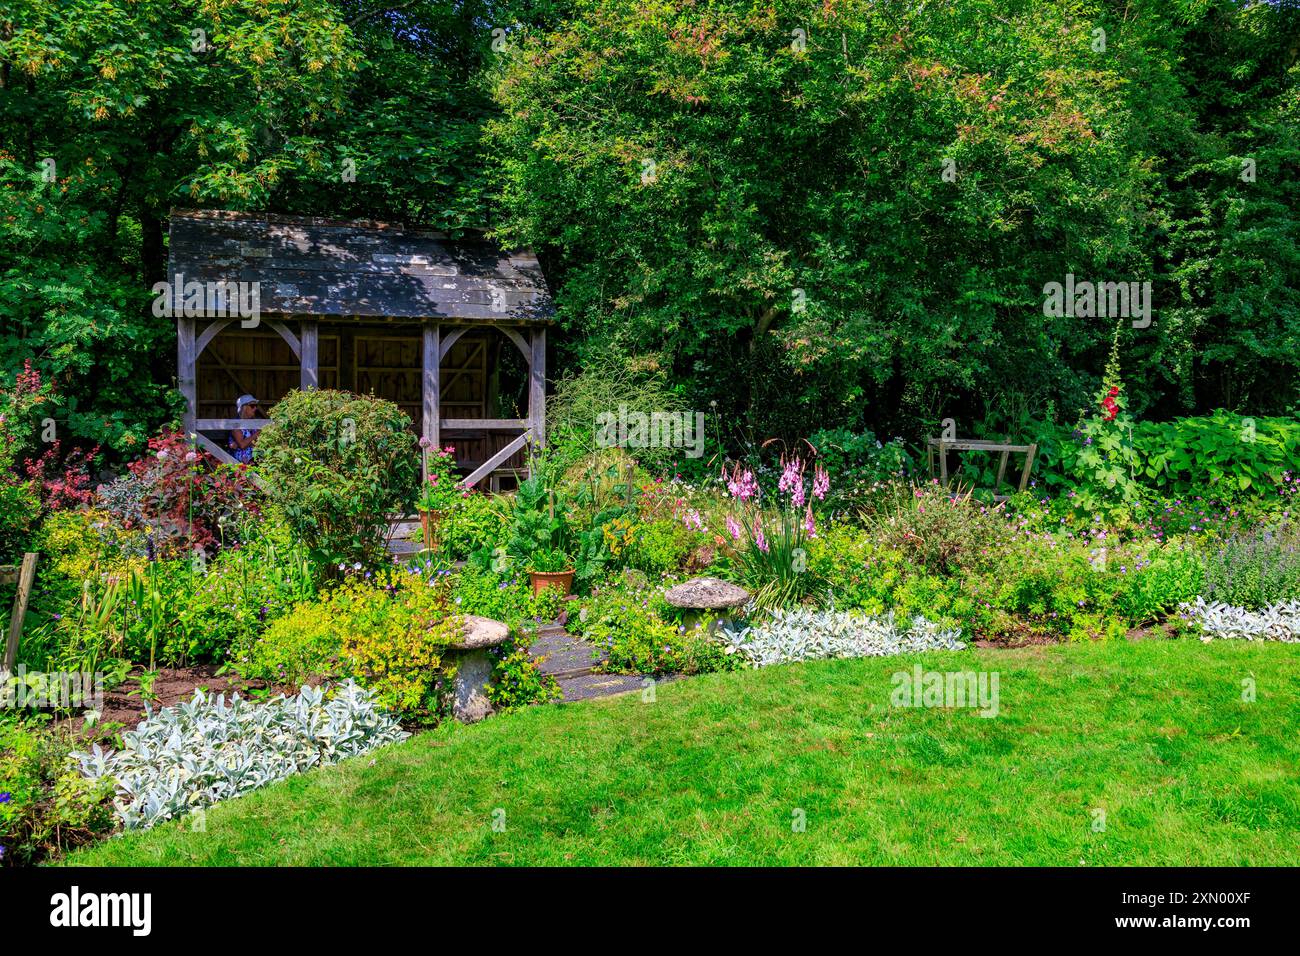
(1155, 733)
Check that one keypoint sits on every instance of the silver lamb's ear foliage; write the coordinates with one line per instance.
(190, 756)
(1277, 622)
(49, 169)
(801, 634)
(1247, 174)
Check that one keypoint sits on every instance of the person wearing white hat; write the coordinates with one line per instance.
(241, 439)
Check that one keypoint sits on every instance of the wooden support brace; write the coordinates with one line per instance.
(310, 355)
(495, 461)
(26, 576)
(431, 391)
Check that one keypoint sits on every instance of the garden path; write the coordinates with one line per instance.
(572, 662)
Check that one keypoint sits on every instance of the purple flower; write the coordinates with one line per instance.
(6, 797)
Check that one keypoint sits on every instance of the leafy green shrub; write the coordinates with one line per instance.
(517, 681)
(20, 503)
(1158, 582)
(505, 597)
(660, 546)
(539, 522)
(46, 806)
(481, 520)
(857, 459)
(338, 464)
(1255, 569)
(388, 632)
(942, 531)
(630, 626)
(1223, 454)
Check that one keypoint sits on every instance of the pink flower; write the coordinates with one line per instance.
(425, 443)
(742, 484)
(760, 539)
(809, 524)
(821, 483)
(733, 527)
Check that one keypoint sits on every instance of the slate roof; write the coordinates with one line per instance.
(335, 268)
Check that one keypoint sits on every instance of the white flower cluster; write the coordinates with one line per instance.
(1277, 622)
(199, 753)
(801, 635)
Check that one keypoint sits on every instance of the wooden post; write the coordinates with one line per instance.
(431, 388)
(537, 387)
(186, 360)
(25, 578)
(310, 358)
(1029, 466)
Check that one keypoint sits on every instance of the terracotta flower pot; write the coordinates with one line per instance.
(544, 579)
(429, 521)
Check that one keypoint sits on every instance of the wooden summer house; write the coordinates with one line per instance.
(454, 332)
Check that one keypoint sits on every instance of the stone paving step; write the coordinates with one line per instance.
(562, 654)
(587, 686)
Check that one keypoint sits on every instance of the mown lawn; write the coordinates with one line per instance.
(1155, 733)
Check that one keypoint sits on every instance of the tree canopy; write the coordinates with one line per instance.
(812, 214)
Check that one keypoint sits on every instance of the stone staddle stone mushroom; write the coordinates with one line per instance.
(474, 667)
(705, 594)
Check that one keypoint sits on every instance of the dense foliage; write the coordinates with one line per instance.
(837, 215)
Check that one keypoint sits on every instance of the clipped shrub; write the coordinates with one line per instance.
(338, 464)
(199, 753)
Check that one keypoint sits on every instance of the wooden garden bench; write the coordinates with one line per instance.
(939, 447)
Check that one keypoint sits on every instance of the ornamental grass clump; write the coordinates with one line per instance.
(771, 539)
(191, 756)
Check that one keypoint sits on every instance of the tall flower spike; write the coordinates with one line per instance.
(821, 483)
